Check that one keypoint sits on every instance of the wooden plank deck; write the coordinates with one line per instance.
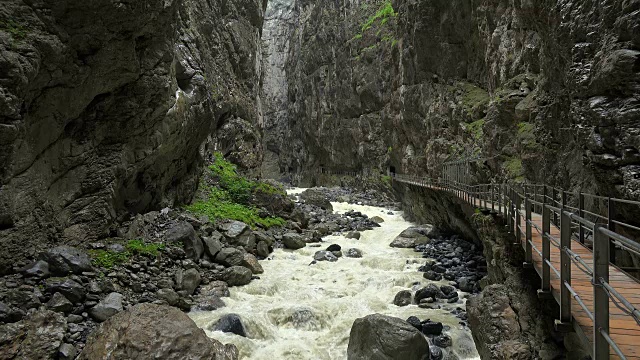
(623, 328)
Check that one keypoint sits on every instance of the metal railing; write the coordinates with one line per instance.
(575, 223)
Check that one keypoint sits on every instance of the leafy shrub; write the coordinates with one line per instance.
(138, 247)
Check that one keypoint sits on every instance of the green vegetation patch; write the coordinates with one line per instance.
(139, 247)
(384, 13)
(474, 97)
(108, 259)
(514, 169)
(17, 31)
(476, 129)
(230, 197)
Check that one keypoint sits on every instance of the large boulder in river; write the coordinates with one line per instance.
(65, 259)
(293, 241)
(37, 337)
(148, 331)
(412, 236)
(381, 337)
(238, 233)
(236, 275)
(317, 198)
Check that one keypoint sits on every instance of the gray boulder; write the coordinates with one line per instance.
(353, 253)
(38, 269)
(262, 249)
(353, 235)
(402, 298)
(59, 303)
(215, 288)
(210, 303)
(37, 337)
(184, 233)
(237, 275)
(107, 307)
(377, 219)
(65, 259)
(293, 241)
(212, 244)
(168, 295)
(230, 257)
(251, 262)
(317, 198)
(149, 332)
(67, 352)
(412, 236)
(67, 287)
(230, 323)
(188, 280)
(238, 233)
(324, 255)
(381, 337)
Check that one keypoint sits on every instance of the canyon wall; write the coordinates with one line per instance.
(108, 108)
(539, 90)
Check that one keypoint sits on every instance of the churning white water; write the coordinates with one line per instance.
(301, 311)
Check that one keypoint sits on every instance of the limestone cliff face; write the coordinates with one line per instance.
(106, 109)
(540, 89)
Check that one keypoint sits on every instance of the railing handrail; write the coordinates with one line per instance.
(511, 202)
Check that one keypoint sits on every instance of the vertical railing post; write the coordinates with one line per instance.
(581, 214)
(518, 226)
(554, 203)
(535, 197)
(564, 323)
(493, 200)
(600, 297)
(528, 240)
(611, 226)
(546, 250)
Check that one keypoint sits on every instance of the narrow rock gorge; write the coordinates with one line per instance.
(297, 179)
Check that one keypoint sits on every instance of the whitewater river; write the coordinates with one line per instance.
(301, 311)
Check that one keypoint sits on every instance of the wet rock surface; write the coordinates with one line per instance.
(149, 331)
(383, 337)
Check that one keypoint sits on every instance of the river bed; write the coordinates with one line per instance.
(302, 311)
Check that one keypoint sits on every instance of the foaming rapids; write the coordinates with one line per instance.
(301, 311)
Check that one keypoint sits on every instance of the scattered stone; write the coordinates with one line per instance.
(353, 253)
(59, 303)
(230, 257)
(402, 298)
(415, 322)
(293, 241)
(436, 353)
(467, 284)
(151, 333)
(65, 259)
(353, 235)
(184, 233)
(236, 275)
(67, 287)
(262, 249)
(432, 328)
(324, 255)
(39, 336)
(383, 337)
(377, 219)
(210, 303)
(189, 280)
(443, 341)
(250, 262)
(412, 237)
(430, 291)
(107, 307)
(212, 244)
(215, 288)
(334, 247)
(38, 269)
(168, 295)
(231, 323)
(67, 352)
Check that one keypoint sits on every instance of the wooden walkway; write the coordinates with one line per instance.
(623, 329)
